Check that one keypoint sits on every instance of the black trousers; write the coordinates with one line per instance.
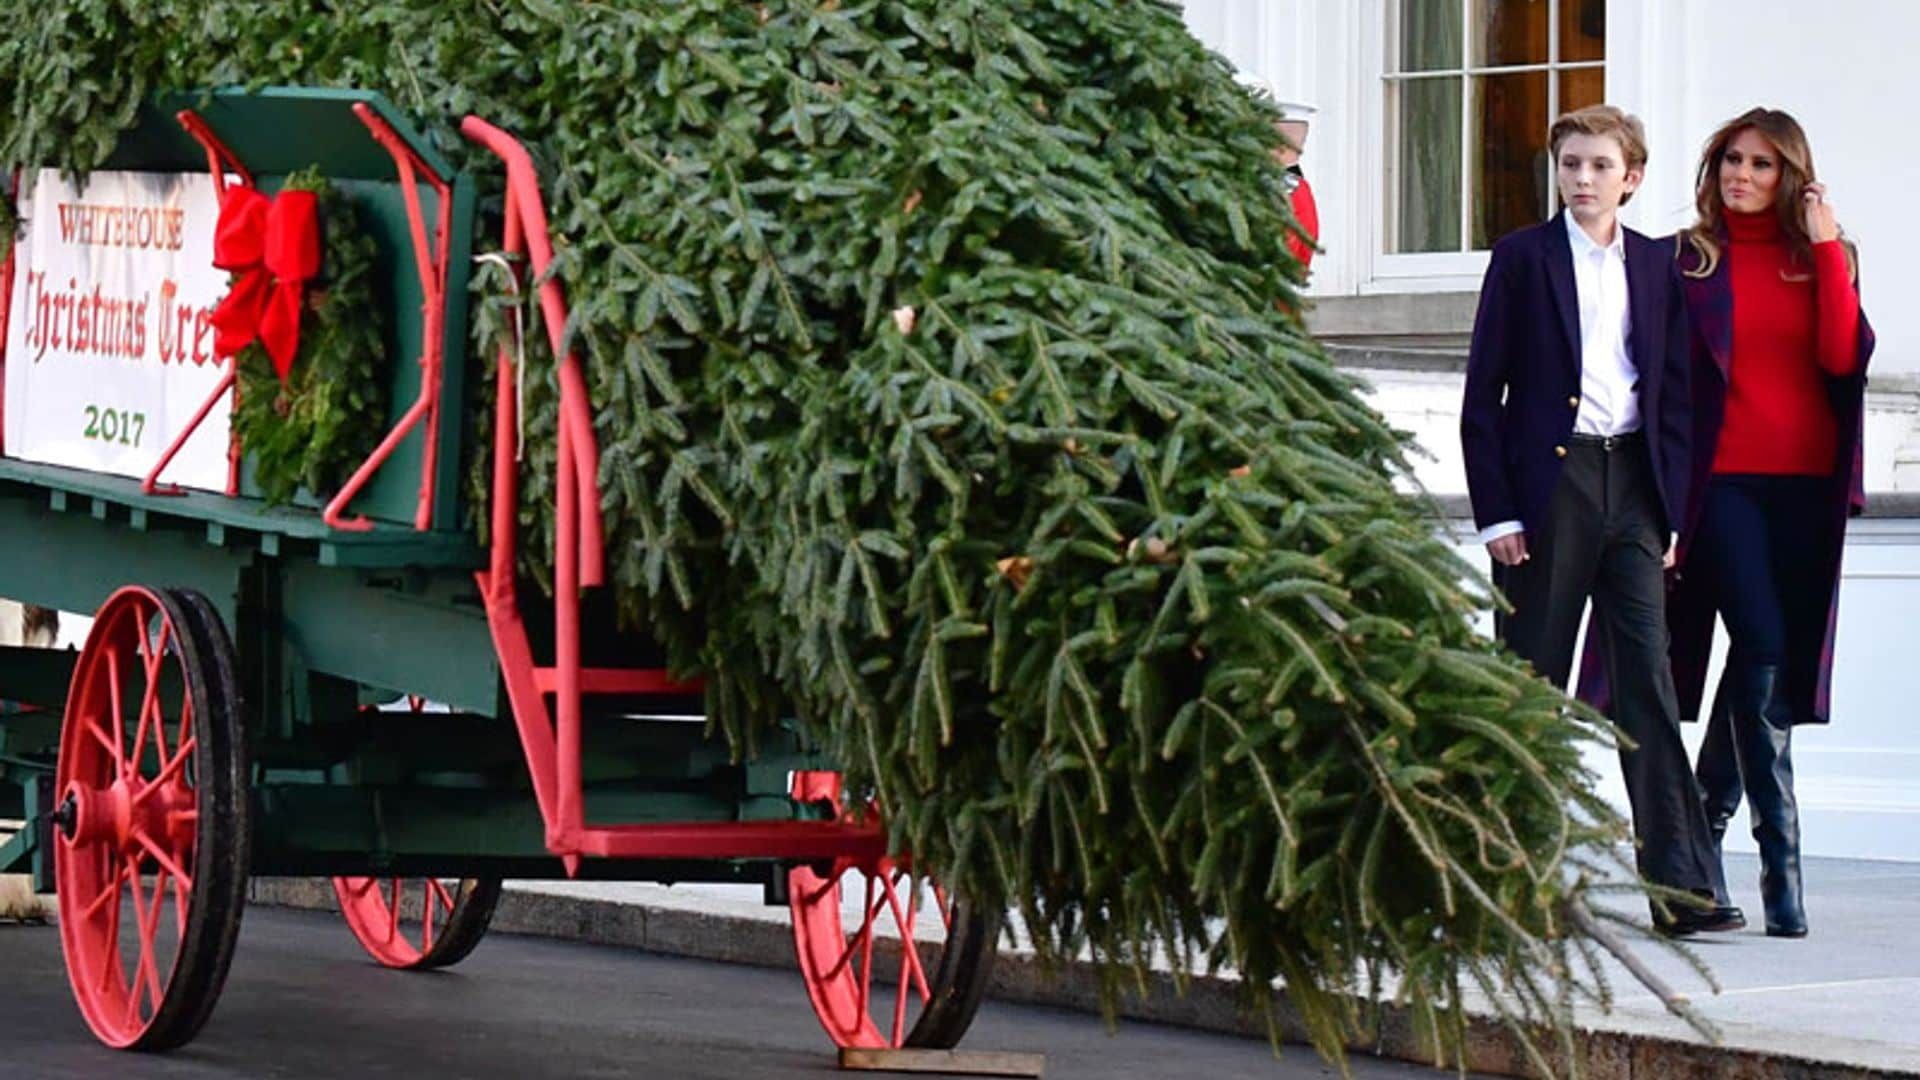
(1764, 544)
(1765, 548)
(1603, 537)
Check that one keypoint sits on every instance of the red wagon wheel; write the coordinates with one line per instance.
(867, 988)
(417, 922)
(151, 860)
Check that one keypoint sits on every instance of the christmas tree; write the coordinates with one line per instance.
(950, 402)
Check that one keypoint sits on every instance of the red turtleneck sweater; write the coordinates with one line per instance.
(1793, 326)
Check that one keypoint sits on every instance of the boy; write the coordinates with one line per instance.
(1576, 431)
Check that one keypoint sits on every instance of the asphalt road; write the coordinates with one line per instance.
(302, 1001)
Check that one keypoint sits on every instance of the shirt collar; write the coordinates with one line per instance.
(1584, 245)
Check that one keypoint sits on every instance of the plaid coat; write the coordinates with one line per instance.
(1691, 611)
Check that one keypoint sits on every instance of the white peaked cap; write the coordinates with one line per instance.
(1257, 86)
(1263, 88)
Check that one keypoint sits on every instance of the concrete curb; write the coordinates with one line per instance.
(1209, 1004)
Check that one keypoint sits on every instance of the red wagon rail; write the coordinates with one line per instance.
(551, 738)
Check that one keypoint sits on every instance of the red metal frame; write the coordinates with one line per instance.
(432, 266)
(220, 161)
(551, 739)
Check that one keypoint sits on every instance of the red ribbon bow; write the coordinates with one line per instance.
(274, 245)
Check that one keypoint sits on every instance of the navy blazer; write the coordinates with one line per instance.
(1523, 373)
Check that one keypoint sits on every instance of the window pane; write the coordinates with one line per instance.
(1583, 29)
(1511, 171)
(1509, 32)
(1429, 35)
(1582, 87)
(1427, 164)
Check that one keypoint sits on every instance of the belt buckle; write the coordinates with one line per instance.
(1607, 443)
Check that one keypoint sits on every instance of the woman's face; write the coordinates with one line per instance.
(1749, 173)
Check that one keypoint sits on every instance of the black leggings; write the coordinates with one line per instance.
(1761, 542)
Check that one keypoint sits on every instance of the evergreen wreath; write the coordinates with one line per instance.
(9, 224)
(313, 430)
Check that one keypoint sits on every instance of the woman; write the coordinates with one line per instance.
(1780, 357)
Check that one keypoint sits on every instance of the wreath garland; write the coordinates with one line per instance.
(9, 224)
(314, 429)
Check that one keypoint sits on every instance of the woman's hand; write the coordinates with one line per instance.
(1821, 225)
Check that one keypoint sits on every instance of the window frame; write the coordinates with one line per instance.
(1391, 271)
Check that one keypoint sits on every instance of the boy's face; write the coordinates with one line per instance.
(1593, 175)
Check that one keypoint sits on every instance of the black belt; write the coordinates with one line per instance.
(1608, 443)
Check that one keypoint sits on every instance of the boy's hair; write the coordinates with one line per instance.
(1608, 121)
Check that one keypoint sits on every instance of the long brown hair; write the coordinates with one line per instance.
(1796, 172)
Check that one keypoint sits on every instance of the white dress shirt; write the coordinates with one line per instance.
(1609, 381)
(1609, 394)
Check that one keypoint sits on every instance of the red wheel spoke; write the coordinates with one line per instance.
(909, 956)
(426, 920)
(393, 910)
(126, 768)
(180, 888)
(135, 991)
(361, 885)
(150, 698)
(870, 911)
(186, 719)
(163, 857)
(93, 907)
(169, 772)
(446, 898)
(110, 956)
(147, 923)
(831, 886)
(149, 932)
(106, 742)
(909, 961)
(900, 1005)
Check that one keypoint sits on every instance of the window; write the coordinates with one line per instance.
(1471, 88)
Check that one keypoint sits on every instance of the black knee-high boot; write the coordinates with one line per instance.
(1718, 773)
(1762, 722)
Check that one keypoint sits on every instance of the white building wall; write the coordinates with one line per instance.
(1845, 68)
(1847, 73)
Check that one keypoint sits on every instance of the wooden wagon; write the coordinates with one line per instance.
(249, 700)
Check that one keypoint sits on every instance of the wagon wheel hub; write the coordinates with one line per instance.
(100, 815)
(128, 815)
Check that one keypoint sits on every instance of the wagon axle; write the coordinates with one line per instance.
(67, 815)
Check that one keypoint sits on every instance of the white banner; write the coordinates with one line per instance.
(109, 348)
